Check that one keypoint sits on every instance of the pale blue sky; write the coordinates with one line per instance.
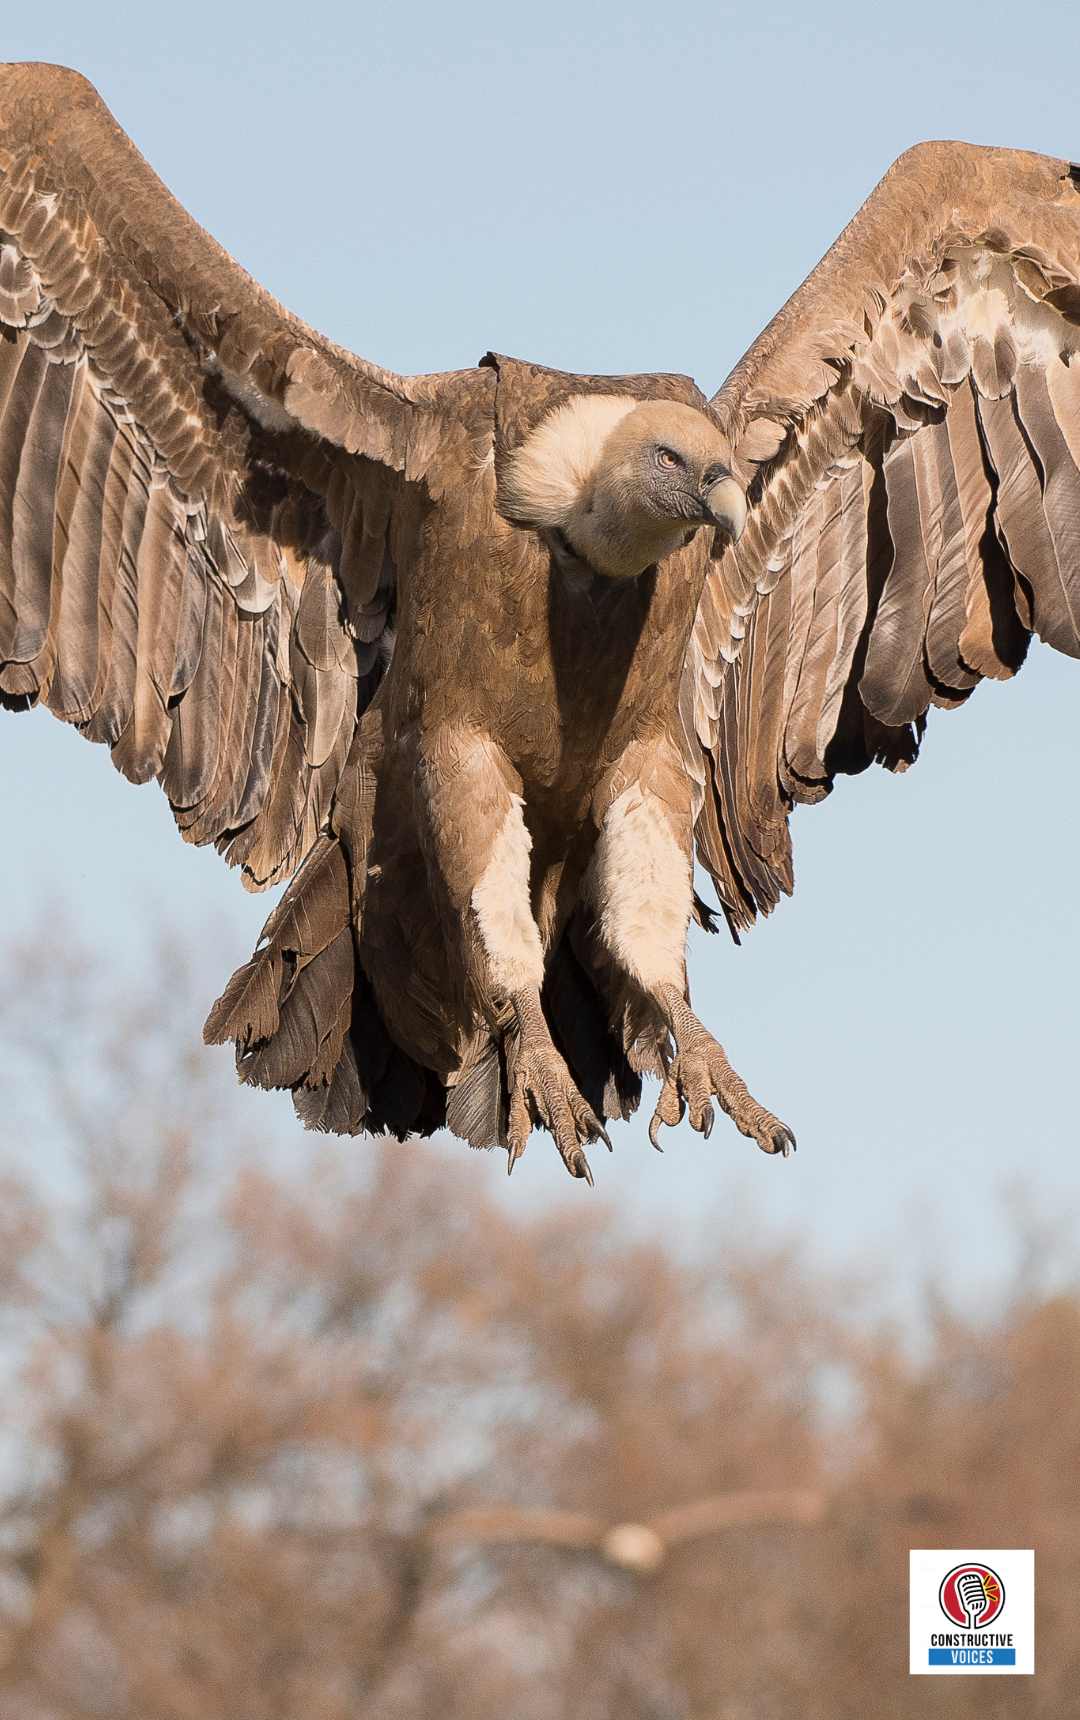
(629, 188)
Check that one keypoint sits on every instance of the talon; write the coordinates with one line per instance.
(700, 1074)
(543, 1093)
(669, 1109)
(513, 1154)
(578, 1166)
(586, 1118)
(701, 1118)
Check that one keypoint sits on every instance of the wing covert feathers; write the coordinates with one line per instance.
(910, 427)
(186, 574)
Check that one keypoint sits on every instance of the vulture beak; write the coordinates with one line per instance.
(725, 506)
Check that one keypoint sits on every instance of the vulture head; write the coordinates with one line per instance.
(618, 484)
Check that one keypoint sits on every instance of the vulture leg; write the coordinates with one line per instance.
(541, 1089)
(642, 887)
(700, 1071)
(480, 847)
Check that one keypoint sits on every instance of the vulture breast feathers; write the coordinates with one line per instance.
(483, 660)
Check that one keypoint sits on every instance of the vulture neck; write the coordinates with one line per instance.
(563, 481)
(602, 535)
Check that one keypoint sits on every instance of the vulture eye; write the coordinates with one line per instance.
(668, 457)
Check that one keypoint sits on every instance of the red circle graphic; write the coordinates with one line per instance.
(971, 1596)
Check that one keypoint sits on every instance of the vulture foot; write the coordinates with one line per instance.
(699, 1072)
(542, 1092)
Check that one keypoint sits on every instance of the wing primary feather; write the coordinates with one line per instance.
(77, 534)
(856, 483)
(113, 705)
(894, 686)
(800, 739)
(1056, 584)
(1018, 507)
(215, 699)
(24, 383)
(942, 522)
(160, 571)
(191, 756)
(264, 728)
(33, 512)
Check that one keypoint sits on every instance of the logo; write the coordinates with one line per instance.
(972, 1612)
(971, 1596)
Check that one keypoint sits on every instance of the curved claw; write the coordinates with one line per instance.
(543, 1093)
(783, 1142)
(700, 1074)
(669, 1108)
(578, 1166)
(585, 1118)
(656, 1123)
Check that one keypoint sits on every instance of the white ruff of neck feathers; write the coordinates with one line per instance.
(546, 477)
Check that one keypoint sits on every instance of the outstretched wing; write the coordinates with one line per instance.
(910, 425)
(204, 505)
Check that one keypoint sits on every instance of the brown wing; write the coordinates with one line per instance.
(497, 1524)
(911, 418)
(728, 1510)
(203, 504)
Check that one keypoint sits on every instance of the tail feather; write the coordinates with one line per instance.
(306, 922)
(477, 1104)
(340, 1105)
(303, 1015)
(314, 1013)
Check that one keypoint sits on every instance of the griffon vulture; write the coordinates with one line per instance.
(486, 658)
(631, 1546)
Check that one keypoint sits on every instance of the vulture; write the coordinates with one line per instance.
(637, 1547)
(484, 661)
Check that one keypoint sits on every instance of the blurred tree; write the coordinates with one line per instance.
(342, 1440)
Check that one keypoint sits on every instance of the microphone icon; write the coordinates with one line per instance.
(972, 1596)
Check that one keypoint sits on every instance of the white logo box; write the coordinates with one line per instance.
(938, 1647)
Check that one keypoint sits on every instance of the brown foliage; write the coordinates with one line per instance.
(344, 1440)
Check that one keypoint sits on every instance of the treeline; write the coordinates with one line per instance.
(351, 1442)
